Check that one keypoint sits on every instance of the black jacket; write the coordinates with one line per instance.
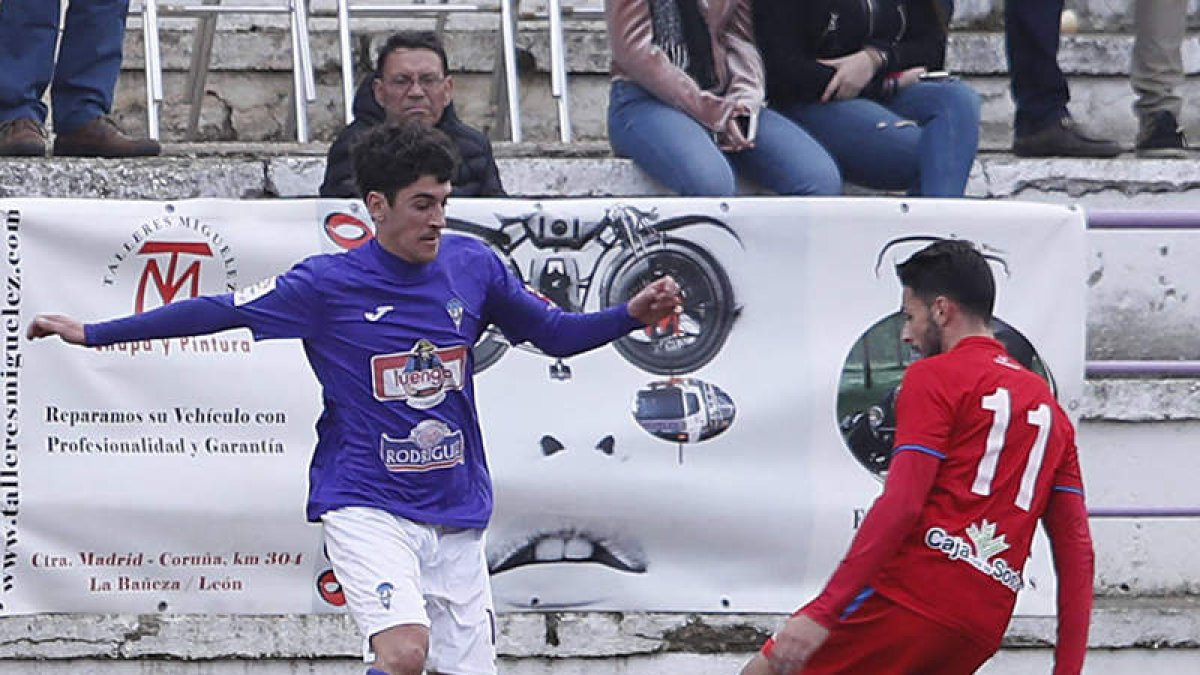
(793, 34)
(477, 174)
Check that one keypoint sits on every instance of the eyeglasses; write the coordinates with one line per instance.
(427, 81)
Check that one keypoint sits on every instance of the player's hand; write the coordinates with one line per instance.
(656, 302)
(795, 643)
(45, 325)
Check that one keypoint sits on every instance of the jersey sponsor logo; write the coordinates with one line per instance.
(254, 291)
(421, 377)
(1007, 361)
(977, 549)
(182, 257)
(431, 445)
(378, 313)
(454, 308)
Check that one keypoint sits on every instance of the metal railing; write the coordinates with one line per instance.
(1143, 220)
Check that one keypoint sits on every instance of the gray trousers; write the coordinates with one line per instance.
(1157, 69)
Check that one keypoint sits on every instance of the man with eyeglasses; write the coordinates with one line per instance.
(411, 82)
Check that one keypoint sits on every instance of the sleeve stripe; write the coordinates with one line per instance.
(1064, 488)
(857, 602)
(918, 448)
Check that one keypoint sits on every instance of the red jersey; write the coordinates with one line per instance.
(1005, 445)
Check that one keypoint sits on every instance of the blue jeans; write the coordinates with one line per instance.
(679, 152)
(1039, 88)
(923, 140)
(89, 59)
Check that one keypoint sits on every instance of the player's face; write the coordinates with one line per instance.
(411, 226)
(919, 330)
(413, 86)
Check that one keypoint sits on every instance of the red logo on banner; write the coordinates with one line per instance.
(170, 285)
(330, 589)
(347, 231)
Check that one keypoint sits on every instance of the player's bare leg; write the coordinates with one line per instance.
(400, 650)
(758, 666)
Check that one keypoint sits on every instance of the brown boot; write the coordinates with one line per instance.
(102, 138)
(22, 137)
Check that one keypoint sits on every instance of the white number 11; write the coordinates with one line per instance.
(1000, 403)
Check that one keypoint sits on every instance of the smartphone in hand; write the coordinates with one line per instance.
(748, 125)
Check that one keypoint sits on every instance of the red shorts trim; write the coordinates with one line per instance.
(883, 638)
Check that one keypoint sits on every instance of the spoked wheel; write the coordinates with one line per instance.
(488, 350)
(686, 341)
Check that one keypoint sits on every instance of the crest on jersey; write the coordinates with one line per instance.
(454, 308)
(420, 377)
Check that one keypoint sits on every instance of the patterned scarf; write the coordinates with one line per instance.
(681, 32)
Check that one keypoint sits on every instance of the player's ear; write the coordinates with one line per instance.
(376, 205)
(941, 309)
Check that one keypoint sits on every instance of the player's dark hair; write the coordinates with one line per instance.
(954, 268)
(391, 157)
(412, 39)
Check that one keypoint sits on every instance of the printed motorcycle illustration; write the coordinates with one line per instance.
(579, 264)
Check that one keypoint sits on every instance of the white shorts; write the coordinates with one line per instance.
(398, 572)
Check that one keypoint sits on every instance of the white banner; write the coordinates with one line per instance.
(717, 463)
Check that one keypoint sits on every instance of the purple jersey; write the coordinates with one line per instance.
(390, 343)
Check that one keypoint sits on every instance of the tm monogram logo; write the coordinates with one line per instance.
(182, 257)
(170, 286)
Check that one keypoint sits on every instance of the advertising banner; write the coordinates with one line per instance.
(718, 462)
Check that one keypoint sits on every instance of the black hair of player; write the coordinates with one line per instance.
(390, 157)
(956, 269)
(412, 39)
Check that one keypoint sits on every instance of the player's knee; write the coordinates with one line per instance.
(401, 651)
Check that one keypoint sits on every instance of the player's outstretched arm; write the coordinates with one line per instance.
(45, 325)
(1066, 525)
(194, 316)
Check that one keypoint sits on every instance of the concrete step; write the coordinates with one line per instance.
(1156, 632)
(249, 82)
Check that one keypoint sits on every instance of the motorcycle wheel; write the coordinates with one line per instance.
(688, 341)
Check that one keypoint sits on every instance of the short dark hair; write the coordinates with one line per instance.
(954, 268)
(412, 39)
(391, 157)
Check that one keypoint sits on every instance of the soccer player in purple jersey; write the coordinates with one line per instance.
(398, 479)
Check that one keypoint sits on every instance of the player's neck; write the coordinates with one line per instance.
(952, 335)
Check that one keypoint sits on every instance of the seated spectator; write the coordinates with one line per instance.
(852, 75)
(686, 102)
(1157, 74)
(81, 71)
(411, 82)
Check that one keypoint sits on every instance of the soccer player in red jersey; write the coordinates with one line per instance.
(982, 453)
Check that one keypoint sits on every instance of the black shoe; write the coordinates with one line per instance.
(1063, 139)
(1159, 135)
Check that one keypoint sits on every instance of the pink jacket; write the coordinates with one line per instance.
(737, 65)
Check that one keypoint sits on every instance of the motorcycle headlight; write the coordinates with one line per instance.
(875, 416)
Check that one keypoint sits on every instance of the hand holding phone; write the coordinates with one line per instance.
(748, 125)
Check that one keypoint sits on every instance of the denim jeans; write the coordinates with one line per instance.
(88, 61)
(1039, 88)
(923, 140)
(679, 152)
